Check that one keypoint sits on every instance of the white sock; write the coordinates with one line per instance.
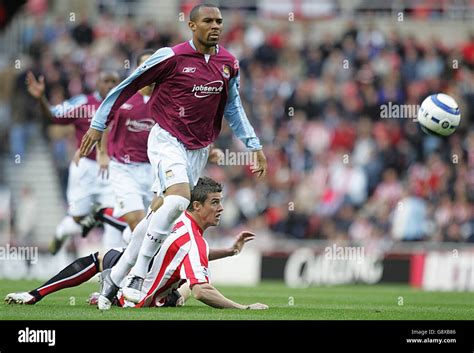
(129, 257)
(67, 227)
(158, 230)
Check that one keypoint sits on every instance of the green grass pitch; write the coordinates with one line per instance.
(355, 302)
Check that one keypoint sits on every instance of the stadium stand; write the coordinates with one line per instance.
(338, 170)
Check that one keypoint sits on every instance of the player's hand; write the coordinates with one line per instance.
(240, 241)
(257, 306)
(76, 157)
(259, 167)
(103, 160)
(90, 139)
(215, 155)
(35, 87)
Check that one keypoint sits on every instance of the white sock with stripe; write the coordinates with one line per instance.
(129, 257)
(158, 230)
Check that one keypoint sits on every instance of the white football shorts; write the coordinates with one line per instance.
(172, 163)
(85, 188)
(132, 184)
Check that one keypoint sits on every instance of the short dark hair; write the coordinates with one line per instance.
(203, 188)
(144, 53)
(195, 11)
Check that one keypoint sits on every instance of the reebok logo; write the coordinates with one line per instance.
(37, 336)
(203, 91)
(189, 70)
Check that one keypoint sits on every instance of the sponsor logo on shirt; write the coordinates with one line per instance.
(203, 91)
(169, 174)
(189, 70)
(139, 125)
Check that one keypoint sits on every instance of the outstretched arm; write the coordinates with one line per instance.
(236, 248)
(36, 88)
(208, 294)
(215, 254)
(59, 114)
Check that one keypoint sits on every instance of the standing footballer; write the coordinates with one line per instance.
(196, 84)
(83, 188)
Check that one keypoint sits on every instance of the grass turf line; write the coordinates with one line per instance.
(354, 302)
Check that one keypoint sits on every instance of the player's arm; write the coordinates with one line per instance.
(215, 154)
(208, 294)
(240, 125)
(215, 254)
(36, 88)
(154, 69)
(59, 114)
(102, 157)
(236, 248)
(197, 275)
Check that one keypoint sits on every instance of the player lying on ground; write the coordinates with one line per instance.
(184, 257)
(84, 268)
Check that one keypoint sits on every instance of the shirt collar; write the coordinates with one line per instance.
(193, 222)
(191, 43)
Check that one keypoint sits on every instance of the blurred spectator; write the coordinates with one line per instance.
(337, 170)
(25, 216)
(410, 219)
(82, 33)
(26, 119)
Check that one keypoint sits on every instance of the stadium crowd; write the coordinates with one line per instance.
(338, 169)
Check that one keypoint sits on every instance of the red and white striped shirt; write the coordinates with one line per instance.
(184, 255)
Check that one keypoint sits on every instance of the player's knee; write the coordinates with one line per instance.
(177, 205)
